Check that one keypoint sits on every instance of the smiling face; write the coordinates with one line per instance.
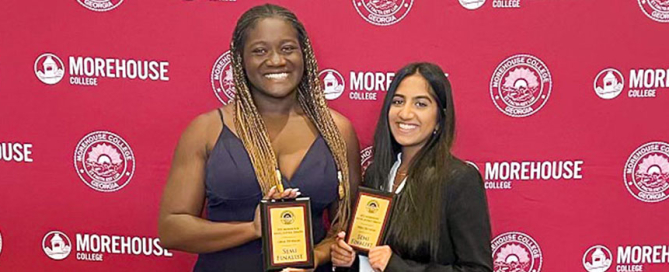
(273, 58)
(412, 116)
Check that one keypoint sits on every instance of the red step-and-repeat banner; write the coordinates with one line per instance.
(560, 104)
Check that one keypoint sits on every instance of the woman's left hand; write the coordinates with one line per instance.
(379, 257)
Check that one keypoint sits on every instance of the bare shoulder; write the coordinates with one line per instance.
(202, 130)
(204, 121)
(343, 124)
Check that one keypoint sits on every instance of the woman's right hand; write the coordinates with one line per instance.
(341, 253)
(272, 194)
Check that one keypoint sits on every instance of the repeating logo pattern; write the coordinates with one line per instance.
(521, 85)
(333, 83)
(104, 161)
(49, 68)
(100, 5)
(516, 251)
(383, 12)
(658, 10)
(609, 83)
(597, 259)
(56, 245)
(647, 172)
(472, 4)
(222, 79)
(366, 158)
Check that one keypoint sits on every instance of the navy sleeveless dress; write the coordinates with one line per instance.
(232, 193)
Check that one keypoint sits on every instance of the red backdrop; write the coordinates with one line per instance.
(560, 104)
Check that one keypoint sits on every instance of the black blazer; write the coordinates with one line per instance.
(465, 229)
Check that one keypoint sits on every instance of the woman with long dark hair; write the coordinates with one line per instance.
(278, 130)
(440, 221)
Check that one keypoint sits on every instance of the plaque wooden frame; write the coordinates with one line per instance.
(266, 206)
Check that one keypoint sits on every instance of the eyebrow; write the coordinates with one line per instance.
(252, 44)
(289, 40)
(415, 97)
(281, 42)
(423, 97)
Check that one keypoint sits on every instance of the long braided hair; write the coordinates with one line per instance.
(249, 123)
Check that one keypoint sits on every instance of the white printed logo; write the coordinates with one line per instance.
(49, 68)
(222, 79)
(647, 172)
(383, 12)
(366, 158)
(521, 85)
(474, 165)
(472, 4)
(658, 10)
(609, 83)
(597, 259)
(506, 3)
(104, 161)
(56, 245)
(100, 5)
(333, 83)
(517, 252)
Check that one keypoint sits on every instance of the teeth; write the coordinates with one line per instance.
(277, 76)
(407, 126)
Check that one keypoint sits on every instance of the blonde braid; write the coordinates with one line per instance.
(251, 128)
(312, 100)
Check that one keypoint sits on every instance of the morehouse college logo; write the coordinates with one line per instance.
(609, 83)
(647, 172)
(49, 68)
(474, 165)
(597, 259)
(472, 4)
(383, 12)
(56, 245)
(87, 71)
(517, 252)
(365, 158)
(520, 85)
(333, 83)
(104, 161)
(657, 10)
(100, 5)
(222, 80)
(92, 247)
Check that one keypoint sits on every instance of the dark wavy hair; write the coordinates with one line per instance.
(417, 214)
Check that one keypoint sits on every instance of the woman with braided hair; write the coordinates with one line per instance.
(277, 133)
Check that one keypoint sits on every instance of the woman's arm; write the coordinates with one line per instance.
(469, 228)
(180, 225)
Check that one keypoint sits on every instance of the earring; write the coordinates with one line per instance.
(434, 132)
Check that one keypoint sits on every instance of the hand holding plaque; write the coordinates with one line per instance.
(369, 222)
(275, 194)
(287, 234)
